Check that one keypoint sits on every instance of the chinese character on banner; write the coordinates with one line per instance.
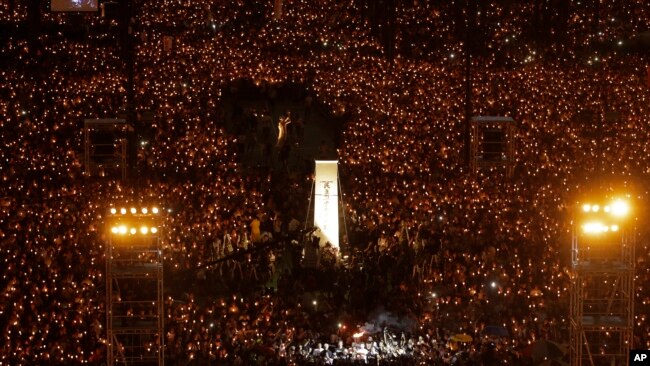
(326, 209)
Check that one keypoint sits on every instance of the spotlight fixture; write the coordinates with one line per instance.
(620, 208)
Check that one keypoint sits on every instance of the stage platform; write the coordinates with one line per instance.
(135, 270)
(598, 321)
(604, 267)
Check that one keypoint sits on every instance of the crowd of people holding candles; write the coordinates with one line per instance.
(432, 257)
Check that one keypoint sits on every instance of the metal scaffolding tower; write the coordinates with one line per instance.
(134, 289)
(105, 146)
(492, 143)
(602, 291)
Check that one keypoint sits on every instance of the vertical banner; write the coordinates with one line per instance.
(326, 198)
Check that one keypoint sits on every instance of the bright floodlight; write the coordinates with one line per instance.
(614, 227)
(115, 229)
(133, 210)
(144, 230)
(586, 207)
(133, 230)
(595, 208)
(594, 228)
(144, 210)
(122, 229)
(154, 210)
(620, 208)
(154, 230)
(113, 210)
(591, 227)
(123, 211)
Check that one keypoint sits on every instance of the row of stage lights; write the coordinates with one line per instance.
(134, 227)
(618, 208)
(599, 228)
(614, 211)
(123, 230)
(134, 211)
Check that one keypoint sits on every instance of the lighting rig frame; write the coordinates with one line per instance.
(134, 287)
(602, 283)
(480, 140)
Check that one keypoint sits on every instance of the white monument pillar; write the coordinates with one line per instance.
(326, 202)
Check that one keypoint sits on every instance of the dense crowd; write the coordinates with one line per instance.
(431, 251)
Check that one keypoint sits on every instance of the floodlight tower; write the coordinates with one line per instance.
(105, 147)
(134, 287)
(602, 283)
(492, 143)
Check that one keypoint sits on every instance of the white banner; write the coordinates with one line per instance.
(326, 198)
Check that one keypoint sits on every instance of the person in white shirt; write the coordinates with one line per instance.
(317, 350)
